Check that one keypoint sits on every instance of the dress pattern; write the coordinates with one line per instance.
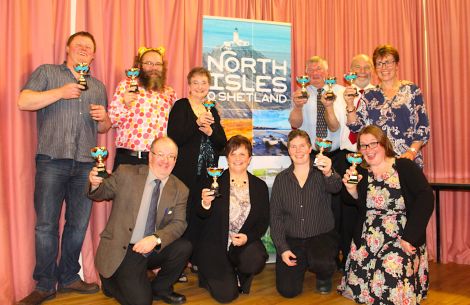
(379, 271)
(403, 118)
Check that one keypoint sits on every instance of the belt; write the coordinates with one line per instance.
(134, 153)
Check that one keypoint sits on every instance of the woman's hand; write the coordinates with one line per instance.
(351, 187)
(207, 129)
(238, 239)
(324, 164)
(207, 196)
(205, 119)
(289, 258)
(409, 249)
(349, 96)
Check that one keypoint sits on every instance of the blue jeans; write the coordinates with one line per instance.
(58, 180)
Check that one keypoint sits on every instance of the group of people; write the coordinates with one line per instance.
(164, 214)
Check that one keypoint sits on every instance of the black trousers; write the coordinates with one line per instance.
(219, 273)
(130, 285)
(316, 254)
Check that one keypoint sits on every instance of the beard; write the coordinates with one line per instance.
(153, 81)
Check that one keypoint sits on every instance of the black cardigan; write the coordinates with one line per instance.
(418, 196)
(183, 129)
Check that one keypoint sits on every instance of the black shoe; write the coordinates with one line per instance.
(324, 286)
(106, 292)
(171, 298)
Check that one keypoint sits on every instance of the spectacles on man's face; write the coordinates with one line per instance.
(384, 64)
(162, 156)
(152, 64)
(371, 145)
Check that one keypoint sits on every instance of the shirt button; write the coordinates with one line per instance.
(302, 219)
(301, 206)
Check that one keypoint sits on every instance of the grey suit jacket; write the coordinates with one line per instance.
(125, 187)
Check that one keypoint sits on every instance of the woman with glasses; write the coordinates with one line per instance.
(200, 138)
(388, 261)
(395, 105)
(230, 251)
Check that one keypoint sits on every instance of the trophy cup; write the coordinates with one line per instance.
(132, 74)
(215, 172)
(208, 104)
(330, 81)
(350, 78)
(100, 154)
(354, 159)
(322, 145)
(82, 69)
(303, 80)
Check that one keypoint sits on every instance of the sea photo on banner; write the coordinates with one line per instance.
(250, 64)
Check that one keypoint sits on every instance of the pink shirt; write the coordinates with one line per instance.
(146, 118)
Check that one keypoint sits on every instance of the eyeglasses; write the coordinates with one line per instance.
(359, 68)
(370, 145)
(162, 156)
(313, 69)
(383, 64)
(153, 64)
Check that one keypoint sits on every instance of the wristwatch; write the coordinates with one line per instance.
(159, 241)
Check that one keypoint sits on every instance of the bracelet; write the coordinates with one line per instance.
(349, 111)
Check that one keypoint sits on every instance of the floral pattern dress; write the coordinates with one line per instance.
(379, 271)
(403, 118)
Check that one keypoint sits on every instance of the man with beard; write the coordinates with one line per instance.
(143, 116)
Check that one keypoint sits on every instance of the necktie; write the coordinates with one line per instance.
(322, 131)
(152, 215)
(353, 135)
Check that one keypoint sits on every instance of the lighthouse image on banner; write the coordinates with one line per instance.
(250, 64)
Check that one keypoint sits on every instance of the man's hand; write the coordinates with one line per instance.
(145, 245)
(327, 102)
(71, 90)
(98, 112)
(129, 97)
(238, 239)
(349, 96)
(95, 181)
(298, 99)
(289, 258)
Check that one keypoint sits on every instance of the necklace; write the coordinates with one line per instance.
(238, 183)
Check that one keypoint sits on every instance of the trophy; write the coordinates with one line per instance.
(215, 172)
(208, 104)
(132, 74)
(100, 154)
(354, 159)
(350, 78)
(322, 145)
(82, 69)
(303, 80)
(330, 81)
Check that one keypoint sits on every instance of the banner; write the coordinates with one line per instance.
(250, 64)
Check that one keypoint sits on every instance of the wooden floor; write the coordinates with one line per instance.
(450, 284)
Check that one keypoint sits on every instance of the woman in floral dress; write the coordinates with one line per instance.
(396, 106)
(388, 262)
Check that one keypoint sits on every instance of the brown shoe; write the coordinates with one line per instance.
(37, 297)
(80, 287)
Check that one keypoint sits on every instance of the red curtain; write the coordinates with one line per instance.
(35, 32)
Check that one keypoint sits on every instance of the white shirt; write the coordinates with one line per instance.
(341, 115)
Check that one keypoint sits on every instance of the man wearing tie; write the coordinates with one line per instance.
(144, 228)
(362, 65)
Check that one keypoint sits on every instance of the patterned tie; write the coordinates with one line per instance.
(151, 218)
(353, 135)
(322, 131)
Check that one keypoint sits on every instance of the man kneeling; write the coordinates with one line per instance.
(143, 232)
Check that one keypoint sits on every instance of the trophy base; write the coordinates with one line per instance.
(330, 96)
(84, 84)
(353, 180)
(102, 173)
(216, 191)
(304, 94)
(134, 89)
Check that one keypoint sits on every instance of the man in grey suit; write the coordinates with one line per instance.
(143, 232)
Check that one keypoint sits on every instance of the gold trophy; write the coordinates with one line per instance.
(354, 159)
(350, 78)
(215, 172)
(330, 81)
(82, 69)
(100, 154)
(132, 74)
(303, 80)
(208, 104)
(322, 145)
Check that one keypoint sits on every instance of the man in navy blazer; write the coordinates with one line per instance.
(127, 249)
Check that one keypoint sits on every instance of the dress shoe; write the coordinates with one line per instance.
(171, 298)
(37, 297)
(106, 292)
(80, 286)
(324, 286)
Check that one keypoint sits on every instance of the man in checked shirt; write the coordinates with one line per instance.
(302, 222)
